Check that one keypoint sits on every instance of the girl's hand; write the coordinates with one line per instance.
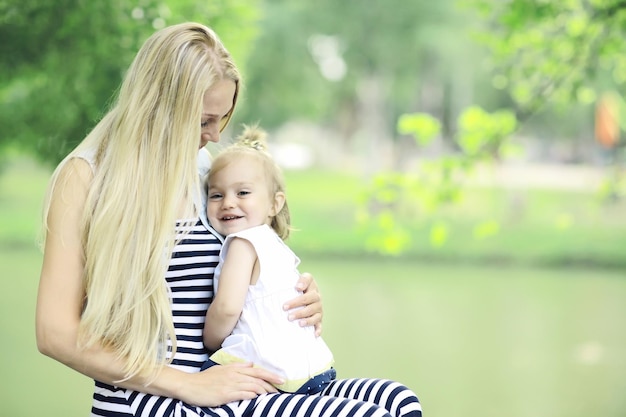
(310, 313)
(221, 384)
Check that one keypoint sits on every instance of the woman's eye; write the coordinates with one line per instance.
(207, 122)
(220, 122)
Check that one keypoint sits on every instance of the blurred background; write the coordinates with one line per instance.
(455, 170)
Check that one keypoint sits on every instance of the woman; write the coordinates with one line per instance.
(124, 210)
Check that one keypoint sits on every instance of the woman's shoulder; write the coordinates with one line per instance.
(87, 155)
(81, 160)
(80, 165)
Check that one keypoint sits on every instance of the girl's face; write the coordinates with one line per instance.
(240, 197)
(217, 103)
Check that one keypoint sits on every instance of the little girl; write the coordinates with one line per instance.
(257, 272)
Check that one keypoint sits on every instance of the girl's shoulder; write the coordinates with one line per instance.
(255, 234)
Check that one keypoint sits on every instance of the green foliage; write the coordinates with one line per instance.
(483, 133)
(542, 53)
(385, 199)
(64, 62)
(555, 227)
(61, 62)
(313, 60)
(422, 126)
(481, 136)
(554, 51)
(486, 229)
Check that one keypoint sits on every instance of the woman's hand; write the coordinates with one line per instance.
(221, 384)
(310, 313)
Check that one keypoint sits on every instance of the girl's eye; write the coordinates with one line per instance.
(205, 123)
(215, 196)
(244, 192)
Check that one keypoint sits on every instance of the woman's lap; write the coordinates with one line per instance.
(347, 397)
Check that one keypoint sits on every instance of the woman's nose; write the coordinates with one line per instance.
(215, 133)
(210, 134)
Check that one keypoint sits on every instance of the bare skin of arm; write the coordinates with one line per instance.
(60, 300)
(235, 278)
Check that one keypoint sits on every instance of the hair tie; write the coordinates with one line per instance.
(253, 137)
(254, 144)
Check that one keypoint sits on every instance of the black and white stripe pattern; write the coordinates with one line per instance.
(342, 398)
(190, 282)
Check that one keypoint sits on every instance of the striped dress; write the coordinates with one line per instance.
(190, 282)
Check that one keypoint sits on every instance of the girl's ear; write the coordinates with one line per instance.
(279, 202)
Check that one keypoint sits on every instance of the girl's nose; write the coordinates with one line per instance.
(228, 201)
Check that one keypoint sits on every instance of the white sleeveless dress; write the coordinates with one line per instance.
(263, 334)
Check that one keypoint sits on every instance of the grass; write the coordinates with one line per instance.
(508, 338)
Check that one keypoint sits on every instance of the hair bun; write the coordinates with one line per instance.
(253, 137)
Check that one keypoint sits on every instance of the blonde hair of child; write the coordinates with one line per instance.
(146, 150)
(252, 144)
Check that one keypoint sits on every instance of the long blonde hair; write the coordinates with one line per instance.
(252, 144)
(146, 151)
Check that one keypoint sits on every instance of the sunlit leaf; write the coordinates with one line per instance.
(586, 95)
(438, 234)
(385, 221)
(422, 126)
(486, 229)
(396, 242)
(576, 25)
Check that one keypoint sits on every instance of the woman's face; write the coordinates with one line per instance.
(217, 103)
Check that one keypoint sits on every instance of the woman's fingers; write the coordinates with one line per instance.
(306, 283)
(222, 384)
(256, 380)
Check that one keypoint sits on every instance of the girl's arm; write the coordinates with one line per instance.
(227, 304)
(60, 301)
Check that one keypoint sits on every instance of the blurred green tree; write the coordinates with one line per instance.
(394, 198)
(61, 61)
(355, 66)
(553, 51)
(542, 54)
(561, 54)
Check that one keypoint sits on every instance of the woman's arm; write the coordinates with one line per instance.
(60, 301)
(235, 278)
(311, 302)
